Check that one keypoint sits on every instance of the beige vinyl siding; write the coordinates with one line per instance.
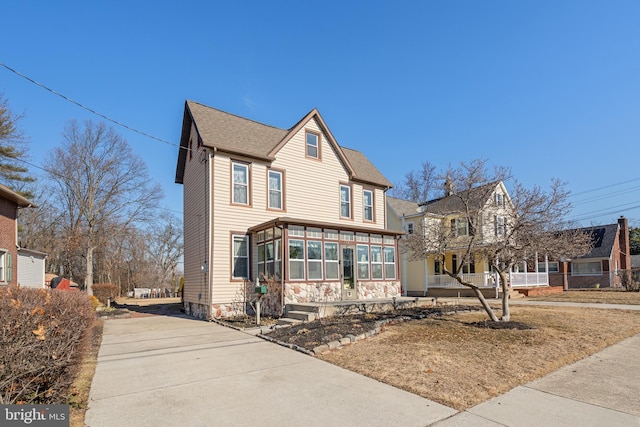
(313, 186)
(235, 219)
(311, 190)
(195, 226)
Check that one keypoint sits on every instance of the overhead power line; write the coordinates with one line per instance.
(91, 110)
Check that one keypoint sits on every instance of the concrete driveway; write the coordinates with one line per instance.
(175, 371)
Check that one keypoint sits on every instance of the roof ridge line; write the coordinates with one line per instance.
(236, 115)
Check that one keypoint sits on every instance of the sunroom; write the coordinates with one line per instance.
(318, 262)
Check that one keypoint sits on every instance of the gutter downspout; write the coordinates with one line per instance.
(210, 232)
(403, 282)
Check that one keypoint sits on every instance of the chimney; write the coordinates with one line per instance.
(448, 187)
(625, 245)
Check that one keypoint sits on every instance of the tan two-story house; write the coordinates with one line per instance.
(290, 207)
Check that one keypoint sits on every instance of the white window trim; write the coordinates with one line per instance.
(279, 191)
(245, 185)
(297, 260)
(234, 257)
(380, 263)
(365, 206)
(360, 262)
(315, 261)
(307, 145)
(347, 202)
(388, 264)
(336, 261)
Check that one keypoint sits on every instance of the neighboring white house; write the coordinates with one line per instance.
(290, 204)
(482, 211)
(31, 264)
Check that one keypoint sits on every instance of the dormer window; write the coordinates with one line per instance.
(312, 145)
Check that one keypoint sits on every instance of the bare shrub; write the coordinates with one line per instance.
(628, 282)
(44, 335)
(104, 291)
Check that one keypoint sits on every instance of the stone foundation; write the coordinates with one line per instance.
(296, 293)
(378, 290)
(300, 293)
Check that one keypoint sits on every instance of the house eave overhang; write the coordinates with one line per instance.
(283, 221)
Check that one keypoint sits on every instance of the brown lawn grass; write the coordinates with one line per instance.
(79, 399)
(603, 296)
(451, 362)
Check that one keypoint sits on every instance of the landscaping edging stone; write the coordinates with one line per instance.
(350, 338)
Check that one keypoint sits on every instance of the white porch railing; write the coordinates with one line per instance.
(483, 280)
(523, 280)
(490, 280)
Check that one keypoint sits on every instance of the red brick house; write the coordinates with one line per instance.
(10, 202)
(600, 267)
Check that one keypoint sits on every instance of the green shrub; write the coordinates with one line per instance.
(43, 338)
(104, 291)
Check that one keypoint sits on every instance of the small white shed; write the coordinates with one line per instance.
(31, 268)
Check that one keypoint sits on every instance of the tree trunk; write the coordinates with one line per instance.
(89, 279)
(485, 304)
(506, 312)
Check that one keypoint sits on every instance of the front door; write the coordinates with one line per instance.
(348, 273)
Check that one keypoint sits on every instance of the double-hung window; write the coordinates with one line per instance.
(345, 201)
(331, 267)
(363, 262)
(296, 259)
(312, 141)
(240, 172)
(5, 266)
(376, 262)
(460, 227)
(389, 263)
(500, 226)
(275, 190)
(314, 259)
(367, 202)
(240, 256)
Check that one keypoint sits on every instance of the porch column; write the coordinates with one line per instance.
(426, 276)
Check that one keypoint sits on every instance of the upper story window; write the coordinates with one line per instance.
(500, 200)
(367, 202)
(312, 145)
(240, 194)
(410, 228)
(275, 190)
(460, 226)
(500, 226)
(345, 201)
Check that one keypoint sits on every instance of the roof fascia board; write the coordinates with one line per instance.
(298, 126)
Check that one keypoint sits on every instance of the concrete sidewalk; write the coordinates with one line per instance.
(172, 371)
(600, 390)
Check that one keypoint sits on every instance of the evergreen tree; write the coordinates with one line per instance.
(13, 149)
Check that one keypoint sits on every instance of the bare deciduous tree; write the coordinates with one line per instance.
(99, 182)
(417, 185)
(165, 247)
(534, 224)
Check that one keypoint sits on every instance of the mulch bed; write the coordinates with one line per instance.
(311, 335)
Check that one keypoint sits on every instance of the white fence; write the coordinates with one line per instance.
(490, 280)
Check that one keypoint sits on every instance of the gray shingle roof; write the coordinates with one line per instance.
(234, 134)
(228, 132)
(402, 207)
(603, 238)
(477, 197)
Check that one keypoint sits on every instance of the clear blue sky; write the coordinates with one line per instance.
(548, 88)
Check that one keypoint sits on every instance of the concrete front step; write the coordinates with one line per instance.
(288, 321)
(305, 316)
(310, 308)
